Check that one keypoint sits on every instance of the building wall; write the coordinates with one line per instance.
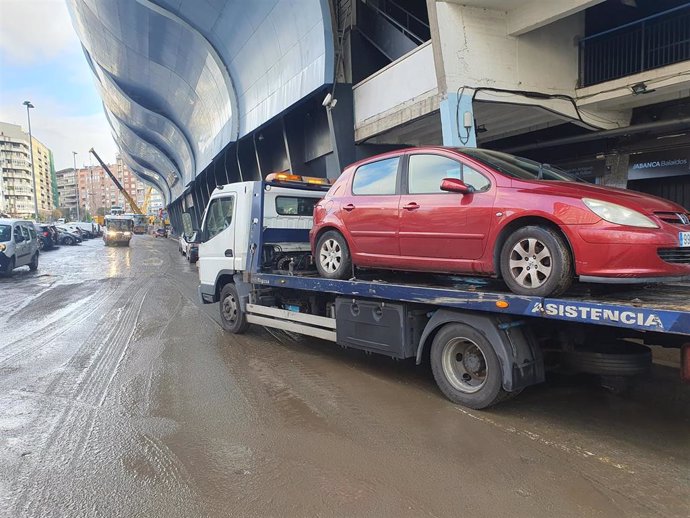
(67, 190)
(97, 190)
(43, 179)
(16, 191)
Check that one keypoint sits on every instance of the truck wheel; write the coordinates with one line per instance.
(33, 265)
(466, 368)
(333, 259)
(232, 318)
(536, 261)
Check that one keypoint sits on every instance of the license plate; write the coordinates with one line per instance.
(684, 239)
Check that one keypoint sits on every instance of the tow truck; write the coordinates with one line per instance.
(484, 343)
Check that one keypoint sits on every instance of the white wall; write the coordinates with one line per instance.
(477, 50)
(406, 80)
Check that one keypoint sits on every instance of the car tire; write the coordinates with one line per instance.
(41, 244)
(232, 318)
(10, 267)
(33, 265)
(68, 241)
(549, 270)
(333, 260)
(466, 367)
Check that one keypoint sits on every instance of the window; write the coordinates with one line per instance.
(32, 232)
(295, 206)
(425, 173)
(5, 231)
(376, 178)
(219, 215)
(518, 167)
(17, 232)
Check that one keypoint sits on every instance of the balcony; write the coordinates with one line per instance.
(653, 42)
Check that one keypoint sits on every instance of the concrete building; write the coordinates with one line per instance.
(67, 190)
(97, 190)
(598, 87)
(44, 179)
(16, 191)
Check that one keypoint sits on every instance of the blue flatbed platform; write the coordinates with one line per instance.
(656, 308)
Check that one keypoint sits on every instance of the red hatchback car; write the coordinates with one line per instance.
(482, 212)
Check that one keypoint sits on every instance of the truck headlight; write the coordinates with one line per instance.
(112, 233)
(618, 214)
(127, 234)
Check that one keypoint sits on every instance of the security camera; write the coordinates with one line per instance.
(327, 100)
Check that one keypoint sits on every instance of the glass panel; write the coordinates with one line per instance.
(220, 215)
(426, 172)
(475, 179)
(295, 206)
(376, 178)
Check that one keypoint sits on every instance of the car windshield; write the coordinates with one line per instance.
(119, 225)
(5, 232)
(518, 167)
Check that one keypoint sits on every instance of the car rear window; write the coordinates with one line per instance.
(295, 205)
(376, 178)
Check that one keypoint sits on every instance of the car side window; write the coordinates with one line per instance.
(32, 232)
(425, 173)
(376, 178)
(219, 216)
(475, 179)
(25, 233)
(17, 233)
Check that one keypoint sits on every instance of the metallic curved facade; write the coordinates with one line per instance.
(181, 79)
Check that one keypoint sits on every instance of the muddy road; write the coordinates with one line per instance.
(121, 396)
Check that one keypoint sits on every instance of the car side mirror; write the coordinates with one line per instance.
(455, 185)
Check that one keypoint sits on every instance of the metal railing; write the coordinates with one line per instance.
(413, 27)
(656, 41)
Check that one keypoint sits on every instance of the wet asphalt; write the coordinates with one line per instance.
(120, 395)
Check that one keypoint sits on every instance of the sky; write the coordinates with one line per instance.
(41, 61)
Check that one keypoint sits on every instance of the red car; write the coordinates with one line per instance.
(482, 212)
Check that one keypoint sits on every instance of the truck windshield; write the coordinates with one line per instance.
(121, 225)
(5, 232)
(518, 167)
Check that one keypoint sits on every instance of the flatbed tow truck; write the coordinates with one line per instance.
(485, 344)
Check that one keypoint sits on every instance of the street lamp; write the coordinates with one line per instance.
(31, 150)
(76, 181)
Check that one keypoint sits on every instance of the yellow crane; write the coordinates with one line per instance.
(130, 200)
(147, 199)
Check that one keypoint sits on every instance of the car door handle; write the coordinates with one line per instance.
(349, 207)
(411, 206)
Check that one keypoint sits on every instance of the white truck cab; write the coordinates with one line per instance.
(225, 246)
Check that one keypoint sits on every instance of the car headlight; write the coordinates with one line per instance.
(618, 214)
(2, 247)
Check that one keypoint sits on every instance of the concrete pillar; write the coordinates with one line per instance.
(616, 170)
(452, 109)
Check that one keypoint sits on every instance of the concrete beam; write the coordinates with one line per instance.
(537, 13)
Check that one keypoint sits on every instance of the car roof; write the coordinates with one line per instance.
(12, 221)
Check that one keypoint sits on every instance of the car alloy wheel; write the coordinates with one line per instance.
(530, 263)
(330, 255)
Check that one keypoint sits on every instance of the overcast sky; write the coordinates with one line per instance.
(41, 60)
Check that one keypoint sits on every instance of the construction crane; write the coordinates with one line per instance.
(130, 200)
(147, 199)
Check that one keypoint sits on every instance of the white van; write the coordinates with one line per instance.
(18, 245)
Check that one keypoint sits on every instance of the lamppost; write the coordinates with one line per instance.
(31, 150)
(76, 181)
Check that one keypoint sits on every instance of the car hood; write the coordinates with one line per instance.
(631, 199)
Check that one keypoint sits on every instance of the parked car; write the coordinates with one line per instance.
(74, 229)
(476, 211)
(189, 247)
(87, 228)
(18, 245)
(47, 236)
(68, 238)
(160, 232)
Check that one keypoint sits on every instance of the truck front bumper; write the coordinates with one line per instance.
(207, 294)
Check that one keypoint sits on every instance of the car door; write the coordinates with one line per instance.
(21, 246)
(217, 250)
(370, 213)
(443, 230)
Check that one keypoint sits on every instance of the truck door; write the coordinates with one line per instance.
(217, 249)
